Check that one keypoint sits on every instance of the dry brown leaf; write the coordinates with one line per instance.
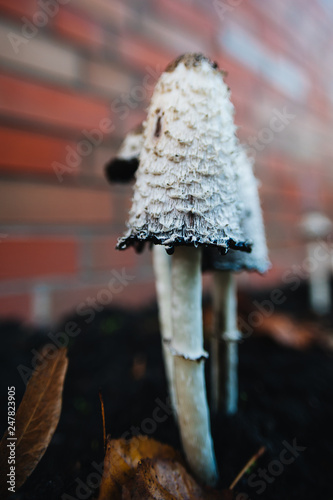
(143, 469)
(121, 461)
(287, 331)
(37, 417)
(166, 479)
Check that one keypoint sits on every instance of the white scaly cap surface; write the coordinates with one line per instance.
(186, 186)
(252, 225)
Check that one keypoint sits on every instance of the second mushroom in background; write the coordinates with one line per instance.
(225, 336)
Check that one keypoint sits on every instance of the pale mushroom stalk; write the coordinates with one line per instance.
(162, 270)
(315, 227)
(319, 281)
(224, 348)
(187, 348)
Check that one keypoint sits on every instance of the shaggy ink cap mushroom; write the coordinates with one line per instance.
(123, 167)
(186, 190)
(251, 224)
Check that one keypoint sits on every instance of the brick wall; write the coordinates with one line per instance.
(77, 74)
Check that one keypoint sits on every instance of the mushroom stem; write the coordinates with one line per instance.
(162, 269)
(319, 281)
(187, 349)
(224, 348)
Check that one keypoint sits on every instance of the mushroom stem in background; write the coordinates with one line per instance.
(162, 269)
(187, 349)
(224, 348)
(319, 280)
(316, 227)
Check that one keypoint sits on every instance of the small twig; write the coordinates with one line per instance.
(103, 418)
(247, 466)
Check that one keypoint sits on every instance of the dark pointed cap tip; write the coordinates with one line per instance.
(190, 60)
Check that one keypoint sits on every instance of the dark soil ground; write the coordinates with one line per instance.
(285, 400)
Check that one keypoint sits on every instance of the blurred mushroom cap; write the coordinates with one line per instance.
(251, 224)
(315, 225)
(186, 184)
(123, 167)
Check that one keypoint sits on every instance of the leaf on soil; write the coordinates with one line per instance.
(143, 469)
(169, 480)
(287, 331)
(121, 461)
(37, 417)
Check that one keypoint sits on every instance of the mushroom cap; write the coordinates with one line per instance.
(123, 167)
(252, 225)
(315, 225)
(186, 183)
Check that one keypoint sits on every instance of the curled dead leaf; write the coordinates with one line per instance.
(168, 479)
(121, 461)
(286, 331)
(144, 469)
(37, 417)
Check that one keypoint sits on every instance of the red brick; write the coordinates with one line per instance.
(142, 55)
(19, 7)
(22, 151)
(181, 13)
(135, 295)
(134, 119)
(30, 258)
(42, 204)
(273, 278)
(15, 306)
(112, 12)
(105, 256)
(102, 156)
(282, 229)
(235, 76)
(65, 301)
(50, 104)
(107, 78)
(182, 40)
(78, 28)
(44, 55)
